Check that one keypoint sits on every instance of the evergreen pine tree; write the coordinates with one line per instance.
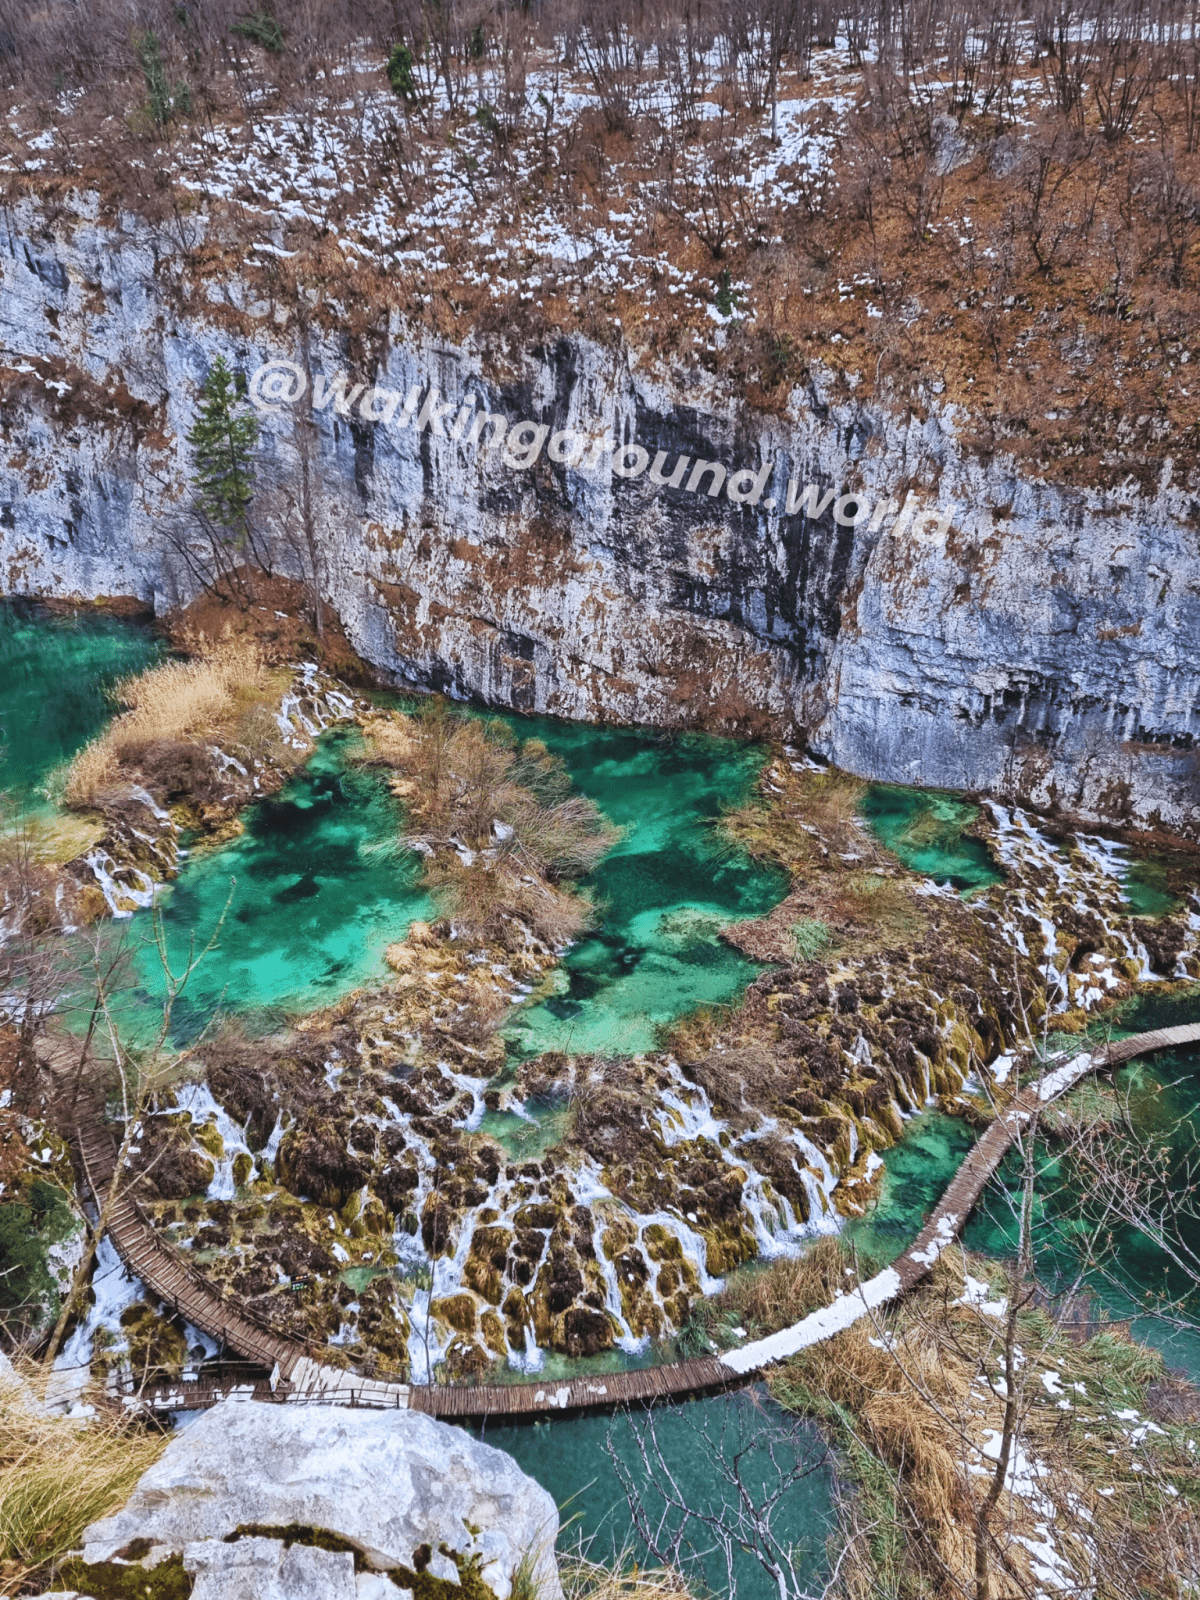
(400, 72)
(165, 101)
(223, 441)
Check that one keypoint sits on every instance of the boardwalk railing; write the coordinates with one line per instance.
(296, 1375)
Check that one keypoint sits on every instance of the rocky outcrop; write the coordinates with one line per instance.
(323, 1503)
(1041, 644)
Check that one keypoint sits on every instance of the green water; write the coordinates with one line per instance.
(55, 675)
(662, 893)
(926, 828)
(568, 1458)
(317, 895)
(528, 1138)
(916, 1173)
(1145, 888)
(316, 891)
(1164, 1093)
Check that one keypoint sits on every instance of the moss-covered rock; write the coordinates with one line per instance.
(314, 1162)
(117, 1580)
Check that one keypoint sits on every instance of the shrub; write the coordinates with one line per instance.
(260, 28)
(165, 100)
(496, 820)
(400, 72)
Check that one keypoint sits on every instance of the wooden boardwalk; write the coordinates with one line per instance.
(166, 1273)
(986, 1154)
(296, 1374)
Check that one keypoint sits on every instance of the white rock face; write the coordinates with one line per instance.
(390, 1482)
(263, 1569)
(1045, 647)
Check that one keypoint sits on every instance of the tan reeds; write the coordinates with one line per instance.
(55, 1479)
(624, 1580)
(169, 701)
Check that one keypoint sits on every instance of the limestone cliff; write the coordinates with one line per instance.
(1044, 647)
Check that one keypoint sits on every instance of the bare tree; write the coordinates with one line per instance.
(754, 1470)
(1125, 67)
(1062, 32)
(612, 48)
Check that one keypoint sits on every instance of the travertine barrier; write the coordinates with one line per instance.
(296, 1373)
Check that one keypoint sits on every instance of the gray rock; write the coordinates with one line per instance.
(374, 1586)
(388, 1481)
(951, 146)
(1005, 154)
(1045, 652)
(262, 1569)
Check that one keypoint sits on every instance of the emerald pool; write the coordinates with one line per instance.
(570, 1459)
(916, 1173)
(312, 893)
(927, 829)
(317, 888)
(56, 674)
(661, 894)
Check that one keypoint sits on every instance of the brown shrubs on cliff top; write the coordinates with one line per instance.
(973, 208)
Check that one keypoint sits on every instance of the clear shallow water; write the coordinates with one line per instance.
(318, 894)
(55, 677)
(316, 891)
(1165, 1095)
(568, 1458)
(528, 1138)
(661, 893)
(926, 829)
(916, 1173)
(1145, 888)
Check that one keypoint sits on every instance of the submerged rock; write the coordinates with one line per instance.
(306, 1503)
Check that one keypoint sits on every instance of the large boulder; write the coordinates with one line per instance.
(321, 1500)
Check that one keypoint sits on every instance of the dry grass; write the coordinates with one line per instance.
(694, 1035)
(867, 1383)
(820, 817)
(624, 1580)
(763, 1299)
(908, 1400)
(884, 904)
(55, 1479)
(480, 898)
(848, 894)
(170, 702)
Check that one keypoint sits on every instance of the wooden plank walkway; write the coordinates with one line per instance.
(990, 1148)
(164, 1272)
(538, 1397)
(298, 1376)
